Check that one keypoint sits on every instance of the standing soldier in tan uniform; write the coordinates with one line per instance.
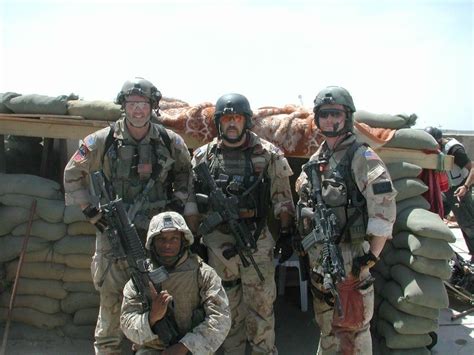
(149, 168)
(353, 182)
(192, 296)
(256, 174)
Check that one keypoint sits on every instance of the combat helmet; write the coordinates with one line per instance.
(436, 133)
(168, 221)
(139, 86)
(335, 95)
(233, 104)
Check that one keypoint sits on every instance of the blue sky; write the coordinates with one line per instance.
(393, 56)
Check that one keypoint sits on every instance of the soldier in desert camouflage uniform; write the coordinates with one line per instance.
(353, 178)
(257, 173)
(192, 295)
(150, 169)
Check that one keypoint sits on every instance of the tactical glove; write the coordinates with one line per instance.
(284, 245)
(94, 216)
(366, 260)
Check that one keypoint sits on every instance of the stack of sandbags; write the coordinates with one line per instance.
(55, 288)
(409, 290)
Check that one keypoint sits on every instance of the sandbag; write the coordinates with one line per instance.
(11, 246)
(87, 287)
(409, 187)
(383, 120)
(423, 223)
(78, 244)
(423, 246)
(42, 271)
(47, 288)
(86, 316)
(79, 331)
(94, 110)
(410, 138)
(402, 169)
(11, 217)
(40, 303)
(81, 228)
(433, 267)
(31, 185)
(404, 323)
(5, 97)
(79, 300)
(384, 350)
(393, 293)
(42, 229)
(44, 255)
(78, 261)
(394, 340)
(382, 268)
(50, 210)
(420, 289)
(72, 214)
(413, 202)
(38, 104)
(77, 275)
(36, 318)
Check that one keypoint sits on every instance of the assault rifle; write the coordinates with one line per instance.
(126, 245)
(225, 210)
(325, 232)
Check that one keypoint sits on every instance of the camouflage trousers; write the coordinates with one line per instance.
(109, 279)
(361, 339)
(464, 212)
(251, 300)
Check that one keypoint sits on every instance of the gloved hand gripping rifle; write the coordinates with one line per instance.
(225, 210)
(324, 232)
(126, 245)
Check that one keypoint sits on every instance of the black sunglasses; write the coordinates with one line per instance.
(333, 112)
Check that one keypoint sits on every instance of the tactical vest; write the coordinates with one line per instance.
(133, 165)
(456, 175)
(243, 174)
(341, 194)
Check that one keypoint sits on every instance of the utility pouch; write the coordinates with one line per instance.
(357, 225)
(334, 193)
(125, 159)
(145, 166)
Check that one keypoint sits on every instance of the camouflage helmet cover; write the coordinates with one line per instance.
(139, 86)
(168, 221)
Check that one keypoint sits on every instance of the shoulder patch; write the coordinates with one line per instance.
(382, 187)
(370, 155)
(90, 142)
(178, 141)
(81, 153)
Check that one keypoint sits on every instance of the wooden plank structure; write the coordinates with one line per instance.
(76, 127)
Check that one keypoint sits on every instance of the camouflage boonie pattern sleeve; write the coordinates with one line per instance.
(133, 321)
(208, 336)
(369, 171)
(279, 172)
(182, 184)
(86, 159)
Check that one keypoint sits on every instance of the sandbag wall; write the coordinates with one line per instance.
(409, 289)
(55, 289)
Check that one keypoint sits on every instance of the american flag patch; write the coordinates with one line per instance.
(370, 155)
(81, 153)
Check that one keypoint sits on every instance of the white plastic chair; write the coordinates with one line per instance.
(293, 262)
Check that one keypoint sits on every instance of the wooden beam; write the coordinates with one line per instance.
(49, 126)
(3, 156)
